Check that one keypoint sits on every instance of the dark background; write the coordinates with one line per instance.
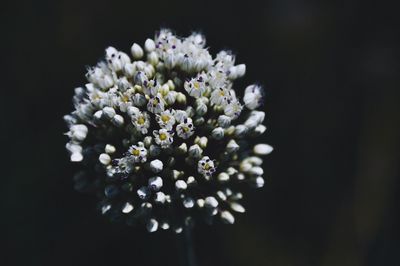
(330, 71)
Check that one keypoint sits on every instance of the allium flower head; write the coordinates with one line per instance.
(164, 137)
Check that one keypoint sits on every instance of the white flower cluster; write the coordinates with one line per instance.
(165, 133)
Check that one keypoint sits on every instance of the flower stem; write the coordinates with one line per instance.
(188, 247)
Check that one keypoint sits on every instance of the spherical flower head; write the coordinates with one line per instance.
(165, 137)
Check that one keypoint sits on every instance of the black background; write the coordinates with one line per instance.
(331, 76)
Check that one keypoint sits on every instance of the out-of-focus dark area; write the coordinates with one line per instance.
(330, 70)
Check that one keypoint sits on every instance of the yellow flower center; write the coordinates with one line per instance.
(186, 129)
(136, 152)
(125, 98)
(163, 136)
(141, 120)
(196, 85)
(165, 118)
(207, 166)
(96, 97)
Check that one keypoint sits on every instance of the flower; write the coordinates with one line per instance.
(206, 166)
(172, 86)
(141, 121)
(220, 96)
(151, 87)
(163, 137)
(137, 153)
(156, 104)
(233, 109)
(196, 86)
(166, 119)
(185, 129)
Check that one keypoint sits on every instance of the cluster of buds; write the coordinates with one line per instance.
(163, 137)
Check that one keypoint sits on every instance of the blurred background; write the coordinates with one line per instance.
(330, 70)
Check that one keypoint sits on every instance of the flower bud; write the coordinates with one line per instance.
(223, 177)
(240, 130)
(164, 226)
(129, 70)
(230, 130)
(152, 58)
(232, 146)
(78, 132)
(180, 185)
(149, 45)
(260, 129)
(245, 166)
(76, 157)
(237, 207)
(152, 225)
(255, 160)
(211, 202)
(262, 149)
(240, 70)
(117, 120)
(160, 197)
(203, 142)
(258, 181)
(156, 166)
(105, 159)
(75, 151)
(137, 51)
(154, 150)
(201, 109)
(170, 98)
(108, 112)
(155, 183)
(190, 180)
(143, 192)
(218, 133)
(227, 217)
(200, 203)
(139, 100)
(109, 149)
(221, 195)
(224, 121)
(188, 203)
(127, 208)
(195, 151)
(182, 148)
(181, 98)
(164, 90)
(256, 171)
